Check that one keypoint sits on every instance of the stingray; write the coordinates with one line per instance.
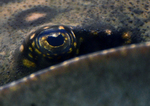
(116, 76)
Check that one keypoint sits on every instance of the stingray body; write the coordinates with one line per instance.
(118, 76)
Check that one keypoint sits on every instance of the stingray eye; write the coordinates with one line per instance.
(47, 46)
(56, 41)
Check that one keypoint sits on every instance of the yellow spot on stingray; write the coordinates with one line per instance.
(46, 27)
(75, 44)
(36, 50)
(127, 37)
(30, 48)
(13, 83)
(33, 44)
(76, 59)
(112, 50)
(105, 52)
(28, 63)
(128, 41)
(32, 36)
(48, 54)
(94, 32)
(64, 63)
(108, 32)
(24, 79)
(21, 48)
(66, 38)
(30, 55)
(70, 50)
(32, 76)
(61, 27)
(133, 46)
(52, 67)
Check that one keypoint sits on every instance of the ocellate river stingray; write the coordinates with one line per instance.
(118, 76)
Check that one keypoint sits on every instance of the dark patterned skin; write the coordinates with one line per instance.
(51, 45)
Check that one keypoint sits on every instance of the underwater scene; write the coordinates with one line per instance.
(74, 52)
